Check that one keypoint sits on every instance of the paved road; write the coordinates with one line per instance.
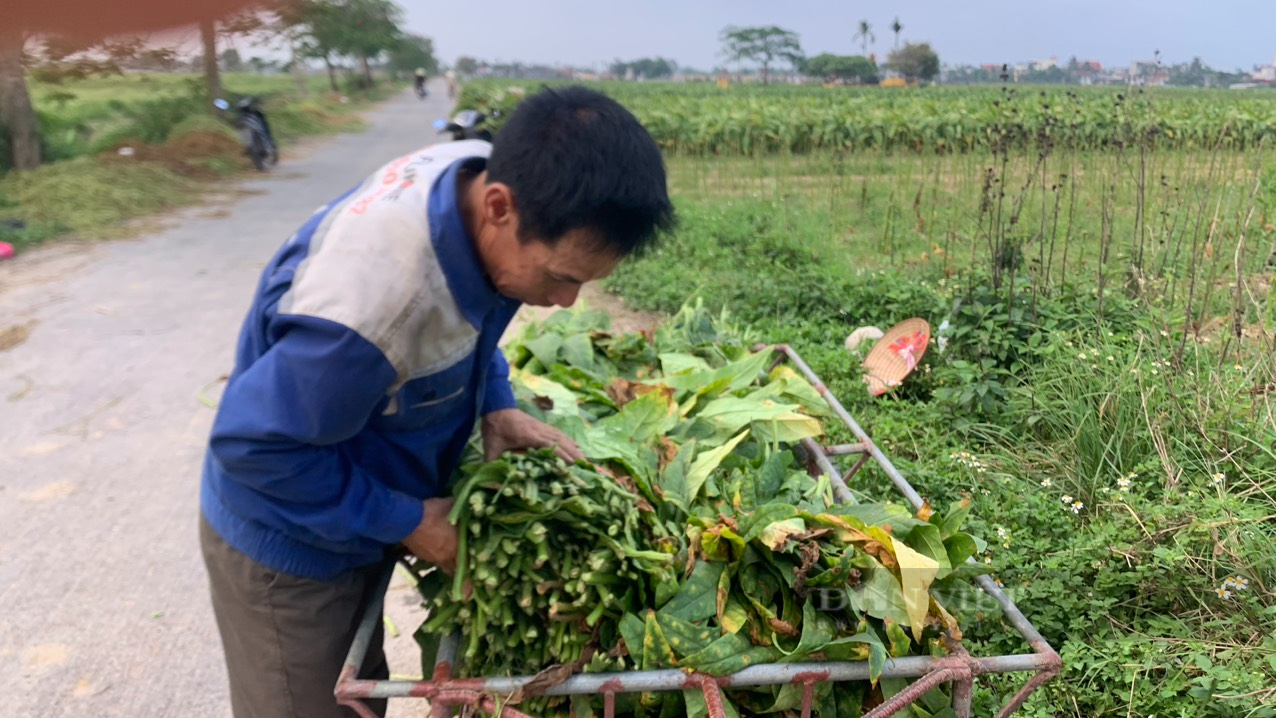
(103, 604)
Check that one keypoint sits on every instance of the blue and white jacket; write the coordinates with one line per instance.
(368, 354)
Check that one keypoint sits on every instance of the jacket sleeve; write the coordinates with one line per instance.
(280, 421)
(499, 394)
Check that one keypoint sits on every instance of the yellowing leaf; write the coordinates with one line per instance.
(735, 617)
(916, 573)
(789, 427)
(775, 535)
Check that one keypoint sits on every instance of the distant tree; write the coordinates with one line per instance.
(17, 115)
(466, 65)
(231, 61)
(368, 29)
(163, 59)
(1050, 76)
(915, 61)
(212, 75)
(864, 35)
(68, 59)
(848, 68)
(897, 28)
(652, 68)
(315, 28)
(411, 52)
(763, 45)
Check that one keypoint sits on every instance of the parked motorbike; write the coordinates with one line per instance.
(467, 125)
(254, 132)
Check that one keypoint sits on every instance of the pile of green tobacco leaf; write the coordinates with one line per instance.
(694, 539)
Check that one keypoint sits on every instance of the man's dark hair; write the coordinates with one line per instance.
(574, 158)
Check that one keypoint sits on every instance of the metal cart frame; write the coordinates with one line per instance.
(959, 668)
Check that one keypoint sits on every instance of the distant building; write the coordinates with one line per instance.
(1088, 72)
(1265, 73)
(1151, 74)
(1043, 65)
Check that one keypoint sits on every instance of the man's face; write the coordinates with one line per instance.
(536, 273)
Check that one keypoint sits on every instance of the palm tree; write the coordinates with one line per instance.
(865, 36)
(896, 28)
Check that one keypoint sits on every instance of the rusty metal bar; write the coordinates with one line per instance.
(443, 661)
(770, 674)
(808, 697)
(359, 646)
(963, 693)
(910, 694)
(858, 465)
(963, 690)
(1028, 688)
(712, 698)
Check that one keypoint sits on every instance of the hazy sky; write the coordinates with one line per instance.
(1225, 33)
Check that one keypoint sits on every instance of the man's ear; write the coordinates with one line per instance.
(498, 204)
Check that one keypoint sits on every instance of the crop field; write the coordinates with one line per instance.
(1098, 267)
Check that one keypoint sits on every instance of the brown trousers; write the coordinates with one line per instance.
(286, 637)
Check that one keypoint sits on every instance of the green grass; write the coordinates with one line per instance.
(85, 189)
(87, 197)
(1050, 390)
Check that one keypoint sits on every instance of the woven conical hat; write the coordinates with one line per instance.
(895, 355)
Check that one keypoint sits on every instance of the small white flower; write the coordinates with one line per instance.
(1104, 489)
(1239, 583)
(1066, 499)
(1219, 477)
(1077, 506)
(1111, 358)
(1164, 333)
(1045, 483)
(1082, 356)
(1240, 368)
(1123, 482)
(999, 583)
(1155, 372)
(987, 559)
(1223, 593)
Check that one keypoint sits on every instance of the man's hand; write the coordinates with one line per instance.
(434, 539)
(512, 430)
